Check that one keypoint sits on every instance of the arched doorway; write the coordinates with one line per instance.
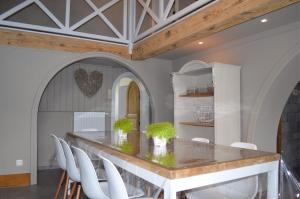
(120, 98)
(288, 142)
(57, 68)
(263, 124)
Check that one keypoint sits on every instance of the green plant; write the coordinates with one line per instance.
(123, 124)
(167, 160)
(161, 130)
(126, 147)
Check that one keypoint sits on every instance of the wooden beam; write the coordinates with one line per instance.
(57, 42)
(13, 180)
(214, 18)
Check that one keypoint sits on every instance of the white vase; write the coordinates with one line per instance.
(159, 150)
(121, 135)
(159, 141)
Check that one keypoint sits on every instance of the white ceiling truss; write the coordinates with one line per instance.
(137, 20)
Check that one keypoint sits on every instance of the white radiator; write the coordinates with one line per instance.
(89, 121)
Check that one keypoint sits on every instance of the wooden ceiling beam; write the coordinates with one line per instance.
(214, 18)
(58, 42)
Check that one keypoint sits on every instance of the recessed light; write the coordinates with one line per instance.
(200, 42)
(264, 20)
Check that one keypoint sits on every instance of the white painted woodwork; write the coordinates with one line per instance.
(66, 28)
(225, 102)
(159, 13)
(164, 16)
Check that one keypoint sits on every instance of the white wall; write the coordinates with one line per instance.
(258, 55)
(24, 73)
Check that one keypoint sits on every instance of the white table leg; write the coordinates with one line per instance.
(272, 192)
(169, 191)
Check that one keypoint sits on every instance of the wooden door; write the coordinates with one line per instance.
(133, 105)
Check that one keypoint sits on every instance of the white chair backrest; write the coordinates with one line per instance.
(116, 185)
(244, 145)
(198, 139)
(60, 156)
(72, 169)
(88, 176)
(247, 186)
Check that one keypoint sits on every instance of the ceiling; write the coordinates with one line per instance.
(278, 18)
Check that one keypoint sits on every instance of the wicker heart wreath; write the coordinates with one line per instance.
(89, 84)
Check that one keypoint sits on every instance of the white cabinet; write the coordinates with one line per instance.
(207, 102)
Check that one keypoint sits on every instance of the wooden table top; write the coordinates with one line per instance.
(181, 158)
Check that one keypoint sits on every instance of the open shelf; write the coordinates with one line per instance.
(206, 94)
(200, 124)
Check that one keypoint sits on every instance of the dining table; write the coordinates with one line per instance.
(182, 164)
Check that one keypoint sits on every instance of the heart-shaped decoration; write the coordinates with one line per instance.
(89, 84)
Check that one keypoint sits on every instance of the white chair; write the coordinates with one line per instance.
(244, 145)
(198, 139)
(89, 182)
(61, 161)
(116, 185)
(72, 169)
(238, 189)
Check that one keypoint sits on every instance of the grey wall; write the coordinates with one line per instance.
(51, 122)
(123, 102)
(258, 55)
(63, 94)
(24, 73)
(61, 98)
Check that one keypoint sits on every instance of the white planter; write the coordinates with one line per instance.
(159, 141)
(159, 150)
(121, 135)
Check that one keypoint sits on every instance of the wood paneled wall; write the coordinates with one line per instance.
(63, 94)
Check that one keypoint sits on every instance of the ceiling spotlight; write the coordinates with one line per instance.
(200, 42)
(264, 20)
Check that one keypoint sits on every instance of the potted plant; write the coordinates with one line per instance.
(160, 132)
(125, 147)
(167, 159)
(123, 126)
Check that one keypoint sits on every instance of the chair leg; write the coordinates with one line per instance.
(78, 191)
(74, 185)
(60, 183)
(66, 187)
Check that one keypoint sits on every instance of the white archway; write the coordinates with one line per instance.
(271, 100)
(59, 65)
(145, 101)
